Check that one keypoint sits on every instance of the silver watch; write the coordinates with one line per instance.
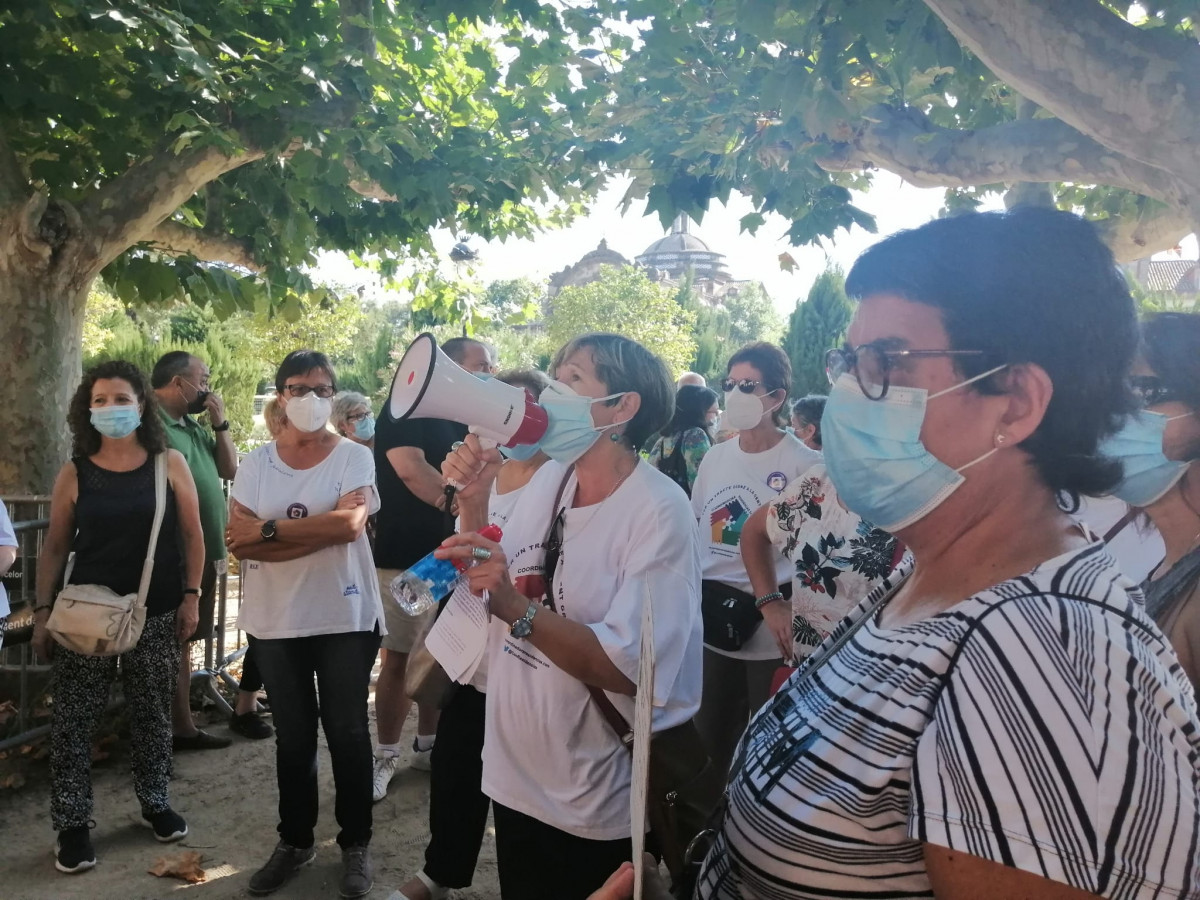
(523, 627)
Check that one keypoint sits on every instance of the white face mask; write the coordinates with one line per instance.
(744, 411)
(310, 412)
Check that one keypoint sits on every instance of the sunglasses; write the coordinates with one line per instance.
(554, 542)
(745, 385)
(872, 365)
(324, 391)
(1150, 391)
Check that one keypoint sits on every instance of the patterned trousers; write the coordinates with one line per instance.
(81, 688)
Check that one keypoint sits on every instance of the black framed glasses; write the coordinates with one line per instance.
(872, 365)
(357, 417)
(1150, 391)
(324, 391)
(745, 385)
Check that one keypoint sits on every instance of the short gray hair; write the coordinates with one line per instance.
(344, 403)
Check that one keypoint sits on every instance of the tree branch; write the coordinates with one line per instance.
(1028, 150)
(177, 239)
(132, 205)
(359, 38)
(1136, 237)
(1133, 90)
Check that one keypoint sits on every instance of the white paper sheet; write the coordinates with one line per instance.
(643, 707)
(458, 638)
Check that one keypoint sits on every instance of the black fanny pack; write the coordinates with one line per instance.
(730, 617)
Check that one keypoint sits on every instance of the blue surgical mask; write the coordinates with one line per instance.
(1139, 447)
(520, 452)
(483, 376)
(875, 457)
(364, 429)
(116, 421)
(571, 431)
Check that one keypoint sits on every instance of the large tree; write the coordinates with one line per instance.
(795, 103)
(817, 323)
(208, 148)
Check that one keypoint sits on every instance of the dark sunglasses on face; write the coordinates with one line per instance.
(872, 365)
(745, 385)
(325, 391)
(1150, 391)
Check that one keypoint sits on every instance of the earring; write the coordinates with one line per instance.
(614, 436)
(1001, 438)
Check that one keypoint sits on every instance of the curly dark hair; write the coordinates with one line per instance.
(85, 439)
(1033, 285)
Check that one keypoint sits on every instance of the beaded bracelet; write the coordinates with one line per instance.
(760, 602)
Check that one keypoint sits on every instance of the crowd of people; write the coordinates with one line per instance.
(915, 668)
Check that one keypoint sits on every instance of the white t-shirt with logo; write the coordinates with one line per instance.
(729, 487)
(548, 751)
(331, 591)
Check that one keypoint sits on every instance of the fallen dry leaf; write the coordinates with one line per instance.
(184, 866)
(12, 781)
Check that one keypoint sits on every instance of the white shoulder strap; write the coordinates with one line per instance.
(160, 508)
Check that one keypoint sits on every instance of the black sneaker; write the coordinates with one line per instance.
(250, 725)
(168, 825)
(358, 875)
(73, 850)
(284, 862)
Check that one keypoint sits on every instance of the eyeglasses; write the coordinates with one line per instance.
(357, 417)
(324, 391)
(745, 385)
(872, 365)
(1150, 391)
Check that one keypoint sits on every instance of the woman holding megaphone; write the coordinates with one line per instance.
(596, 532)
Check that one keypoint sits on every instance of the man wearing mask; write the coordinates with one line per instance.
(180, 382)
(411, 523)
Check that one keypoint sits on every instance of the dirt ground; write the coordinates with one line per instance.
(228, 798)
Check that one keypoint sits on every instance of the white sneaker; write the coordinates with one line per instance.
(422, 760)
(384, 771)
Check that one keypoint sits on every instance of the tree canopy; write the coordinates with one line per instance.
(816, 324)
(625, 301)
(796, 103)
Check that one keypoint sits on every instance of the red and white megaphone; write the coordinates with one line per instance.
(430, 385)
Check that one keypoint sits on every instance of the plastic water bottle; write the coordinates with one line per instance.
(419, 588)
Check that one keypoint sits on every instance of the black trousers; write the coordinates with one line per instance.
(457, 807)
(539, 862)
(341, 665)
(251, 675)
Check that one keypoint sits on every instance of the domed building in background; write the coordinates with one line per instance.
(667, 261)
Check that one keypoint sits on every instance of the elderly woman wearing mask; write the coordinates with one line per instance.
(1160, 447)
(352, 418)
(1006, 721)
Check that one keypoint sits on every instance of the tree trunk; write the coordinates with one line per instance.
(42, 300)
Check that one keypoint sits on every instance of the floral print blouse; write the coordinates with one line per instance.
(695, 443)
(837, 557)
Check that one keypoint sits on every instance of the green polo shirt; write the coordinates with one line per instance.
(200, 450)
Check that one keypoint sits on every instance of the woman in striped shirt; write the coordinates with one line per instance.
(1006, 722)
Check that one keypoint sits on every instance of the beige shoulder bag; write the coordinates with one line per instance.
(93, 620)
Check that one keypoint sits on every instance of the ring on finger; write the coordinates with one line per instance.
(481, 553)
(456, 445)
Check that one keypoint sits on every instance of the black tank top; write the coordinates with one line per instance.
(113, 517)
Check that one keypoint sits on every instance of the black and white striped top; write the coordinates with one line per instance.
(1044, 724)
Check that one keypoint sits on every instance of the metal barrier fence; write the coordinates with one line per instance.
(31, 517)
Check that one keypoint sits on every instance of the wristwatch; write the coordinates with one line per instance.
(224, 426)
(268, 530)
(523, 627)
